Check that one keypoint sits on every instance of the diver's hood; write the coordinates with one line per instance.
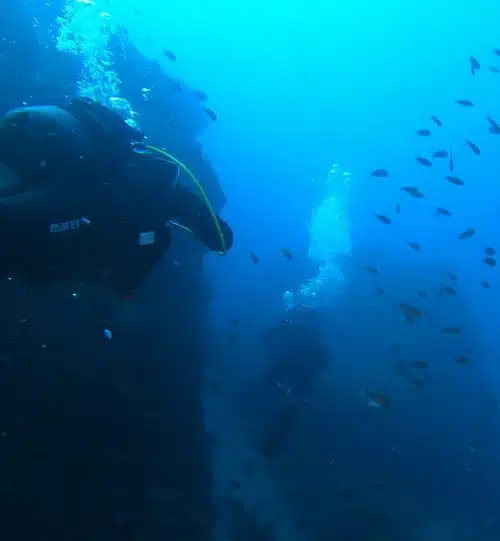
(34, 137)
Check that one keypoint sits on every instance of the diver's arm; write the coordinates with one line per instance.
(193, 213)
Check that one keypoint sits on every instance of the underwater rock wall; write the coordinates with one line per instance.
(100, 439)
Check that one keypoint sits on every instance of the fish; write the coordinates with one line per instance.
(464, 103)
(380, 290)
(211, 115)
(490, 261)
(421, 364)
(418, 383)
(496, 52)
(380, 173)
(398, 209)
(449, 290)
(410, 313)
(377, 399)
(462, 359)
(413, 191)
(286, 254)
(494, 126)
(170, 55)
(452, 331)
(494, 69)
(441, 153)
(423, 161)
(202, 96)
(255, 258)
(474, 64)
(455, 180)
(473, 147)
(440, 211)
(234, 321)
(234, 484)
(423, 133)
(453, 277)
(414, 246)
(436, 120)
(485, 284)
(371, 269)
(490, 251)
(422, 294)
(451, 164)
(467, 234)
(383, 219)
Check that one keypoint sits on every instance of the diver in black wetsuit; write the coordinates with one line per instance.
(296, 358)
(88, 200)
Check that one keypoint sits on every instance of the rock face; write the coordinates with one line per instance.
(101, 439)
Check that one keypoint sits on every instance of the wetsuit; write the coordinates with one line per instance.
(297, 357)
(87, 206)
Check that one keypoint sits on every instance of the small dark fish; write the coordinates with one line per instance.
(398, 209)
(455, 180)
(462, 359)
(436, 120)
(494, 69)
(410, 313)
(496, 52)
(423, 133)
(380, 173)
(464, 103)
(234, 484)
(170, 55)
(467, 234)
(414, 246)
(421, 364)
(211, 115)
(473, 147)
(234, 321)
(422, 294)
(371, 269)
(440, 211)
(490, 261)
(474, 64)
(423, 161)
(255, 258)
(494, 126)
(451, 165)
(418, 383)
(452, 331)
(441, 153)
(449, 290)
(380, 291)
(286, 254)
(413, 191)
(453, 277)
(485, 284)
(383, 219)
(490, 251)
(202, 96)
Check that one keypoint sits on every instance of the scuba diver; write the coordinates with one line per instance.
(84, 197)
(297, 356)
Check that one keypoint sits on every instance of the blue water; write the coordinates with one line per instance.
(297, 89)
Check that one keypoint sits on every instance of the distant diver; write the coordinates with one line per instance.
(83, 197)
(296, 358)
